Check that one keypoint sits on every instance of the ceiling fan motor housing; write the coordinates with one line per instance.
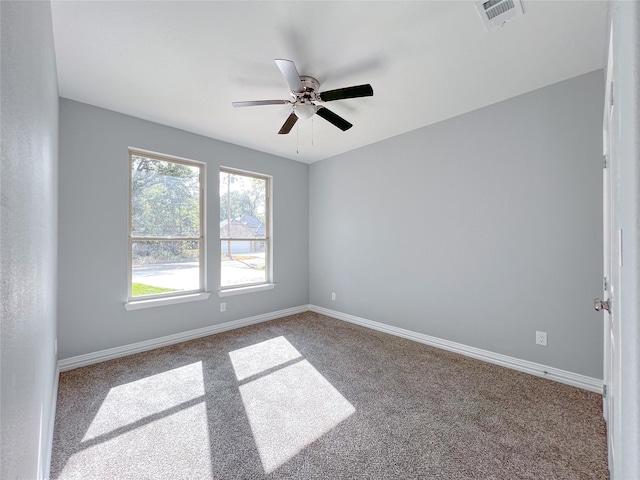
(310, 84)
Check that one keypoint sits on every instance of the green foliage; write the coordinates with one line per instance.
(142, 289)
(242, 195)
(165, 199)
(174, 251)
(165, 202)
(240, 204)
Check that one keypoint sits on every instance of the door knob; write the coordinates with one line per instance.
(600, 305)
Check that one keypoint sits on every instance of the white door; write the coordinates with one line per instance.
(612, 262)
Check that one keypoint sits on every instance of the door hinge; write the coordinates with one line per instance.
(604, 391)
(611, 93)
(604, 161)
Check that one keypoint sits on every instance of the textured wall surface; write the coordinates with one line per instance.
(480, 230)
(93, 231)
(28, 232)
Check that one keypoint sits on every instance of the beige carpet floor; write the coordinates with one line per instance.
(311, 397)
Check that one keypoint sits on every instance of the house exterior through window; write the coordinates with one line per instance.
(245, 242)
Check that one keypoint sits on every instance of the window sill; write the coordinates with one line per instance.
(227, 292)
(158, 302)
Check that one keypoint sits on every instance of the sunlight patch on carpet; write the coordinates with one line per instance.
(290, 407)
(147, 399)
(159, 421)
(257, 358)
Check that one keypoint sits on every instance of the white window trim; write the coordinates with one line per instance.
(158, 302)
(231, 290)
(147, 301)
(228, 292)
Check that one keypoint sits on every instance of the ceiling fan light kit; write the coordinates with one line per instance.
(305, 96)
(304, 110)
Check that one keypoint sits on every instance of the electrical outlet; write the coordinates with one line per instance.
(333, 295)
(541, 338)
(223, 307)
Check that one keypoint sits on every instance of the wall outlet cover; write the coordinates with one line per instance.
(541, 338)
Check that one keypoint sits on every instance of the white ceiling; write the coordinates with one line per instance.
(182, 63)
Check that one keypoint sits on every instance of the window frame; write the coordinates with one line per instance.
(267, 284)
(142, 301)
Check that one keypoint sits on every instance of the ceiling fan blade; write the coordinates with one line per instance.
(288, 124)
(347, 92)
(331, 117)
(253, 103)
(291, 75)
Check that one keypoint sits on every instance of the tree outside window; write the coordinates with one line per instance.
(166, 241)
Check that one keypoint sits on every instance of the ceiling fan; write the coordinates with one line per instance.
(304, 90)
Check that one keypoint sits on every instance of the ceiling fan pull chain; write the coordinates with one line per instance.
(312, 131)
(297, 139)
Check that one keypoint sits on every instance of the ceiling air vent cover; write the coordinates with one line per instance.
(495, 13)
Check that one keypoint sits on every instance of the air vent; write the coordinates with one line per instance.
(495, 13)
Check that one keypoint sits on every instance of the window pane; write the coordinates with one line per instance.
(163, 267)
(165, 198)
(242, 206)
(245, 264)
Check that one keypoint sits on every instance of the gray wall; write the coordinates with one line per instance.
(481, 229)
(28, 231)
(93, 231)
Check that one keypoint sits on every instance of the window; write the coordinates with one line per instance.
(166, 226)
(245, 242)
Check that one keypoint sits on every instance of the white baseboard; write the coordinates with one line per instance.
(562, 376)
(117, 352)
(552, 373)
(46, 468)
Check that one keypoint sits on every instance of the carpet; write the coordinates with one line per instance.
(312, 397)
